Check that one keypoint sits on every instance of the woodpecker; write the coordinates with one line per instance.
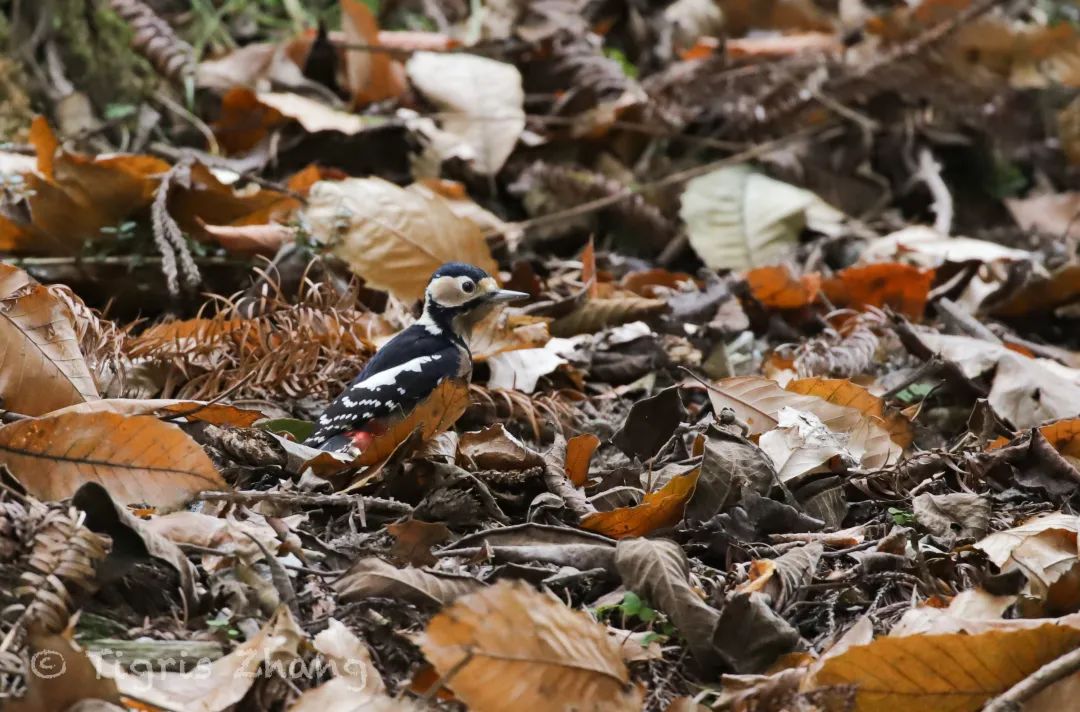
(409, 367)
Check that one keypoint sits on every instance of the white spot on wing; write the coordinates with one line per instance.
(389, 376)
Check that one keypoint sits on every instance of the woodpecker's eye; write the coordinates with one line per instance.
(468, 286)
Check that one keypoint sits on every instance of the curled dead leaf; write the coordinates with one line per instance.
(659, 509)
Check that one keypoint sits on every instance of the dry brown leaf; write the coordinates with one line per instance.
(263, 240)
(659, 509)
(457, 198)
(213, 413)
(1040, 294)
(841, 391)
(955, 672)
(393, 238)
(374, 578)
(41, 367)
(139, 459)
(224, 682)
(510, 647)
(369, 76)
(599, 314)
(1044, 549)
(64, 676)
(503, 330)
(481, 102)
(413, 540)
(657, 569)
(494, 448)
(1064, 435)
(75, 196)
(579, 452)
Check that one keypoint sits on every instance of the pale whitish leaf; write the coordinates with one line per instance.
(566, 661)
(522, 369)
(927, 247)
(316, 116)
(737, 218)
(481, 101)
(1043, 548)
(392, 237)
(799, 444)
(757, 402)
(1026, 391)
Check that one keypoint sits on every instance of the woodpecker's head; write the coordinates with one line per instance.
(459, 294)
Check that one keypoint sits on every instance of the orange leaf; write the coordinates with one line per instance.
(302, 181)
(244, 121)
(579, 451)
(588, 269)
(840, 391)
(776, 287)
(137, 458)
(370, 76)
(1041, 295)
(645, 282)
(886, 284)
(1064, 435)
(659, 509)
(45, 144)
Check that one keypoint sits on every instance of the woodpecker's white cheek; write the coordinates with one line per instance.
(447, 292)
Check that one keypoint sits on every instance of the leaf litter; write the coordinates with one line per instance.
(789, 421)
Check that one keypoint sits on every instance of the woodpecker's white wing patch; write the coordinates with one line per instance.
(393, 390)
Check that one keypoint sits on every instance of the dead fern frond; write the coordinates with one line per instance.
(543, 414)
(842, 354)
(156, 40)
(311, 348)
(51, 565)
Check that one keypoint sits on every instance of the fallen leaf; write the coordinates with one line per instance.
(522, 369)
(730, 464)
(315, 116)
(598, 314)
(263, 240)
(41, 366)
(926, 247)
(369, 76)
(958, 515)
(481, 102)
(494, 448)
(1039, 294)
(750, 636)
(888, 284)
(1053, 213)
(737, 218)
(937, 672)
(657, 570)
(503, 330)
(220, 685)
(393, 238)
(413, 540)
(579, 451)
(777, 288)
(567, 660)
(841, 391)
(650, 423)
(65, 675)
(213, 413)
(800, 444)
(659, 509)
(1064, 435)
(356, 682)
(139, 459)
(372, 577)
(1043, 548)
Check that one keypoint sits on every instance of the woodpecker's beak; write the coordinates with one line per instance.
(507, 295)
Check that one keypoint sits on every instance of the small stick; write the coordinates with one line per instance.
(377, 504)
(1012, 699)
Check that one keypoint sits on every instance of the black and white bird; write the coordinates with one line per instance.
(410, 366)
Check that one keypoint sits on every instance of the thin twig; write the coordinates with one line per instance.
(1012, 699)
(376, 504)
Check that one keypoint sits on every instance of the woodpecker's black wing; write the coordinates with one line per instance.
(401, 375)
